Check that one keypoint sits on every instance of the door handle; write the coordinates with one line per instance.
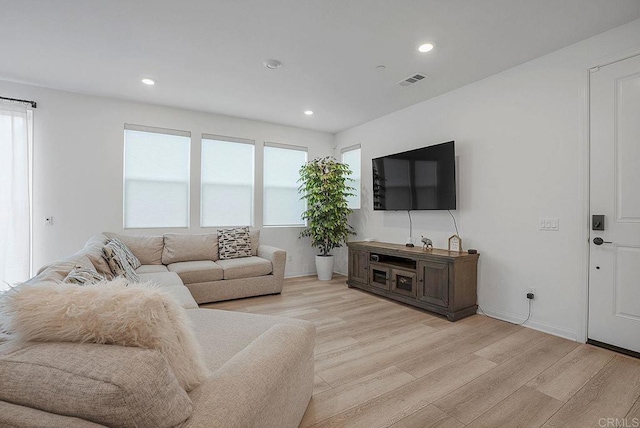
(599, 241)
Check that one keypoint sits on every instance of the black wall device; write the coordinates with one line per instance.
(597, 222)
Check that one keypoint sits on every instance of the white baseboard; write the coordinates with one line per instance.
(298, 275)
(545, 328)
(515, 319)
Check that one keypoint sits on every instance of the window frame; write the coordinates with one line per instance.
(304, 149)
(162, 131)
(236, 140)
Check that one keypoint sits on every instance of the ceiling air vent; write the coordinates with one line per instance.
(412, 79)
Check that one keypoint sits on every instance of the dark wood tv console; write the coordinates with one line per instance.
(437, 280)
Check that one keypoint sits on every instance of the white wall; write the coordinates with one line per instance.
(521, 143)
(78, 161)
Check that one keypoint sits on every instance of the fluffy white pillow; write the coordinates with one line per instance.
(110, 312)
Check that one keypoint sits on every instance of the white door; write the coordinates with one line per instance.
(614, 271)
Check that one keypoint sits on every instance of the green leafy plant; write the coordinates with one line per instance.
(324, 187)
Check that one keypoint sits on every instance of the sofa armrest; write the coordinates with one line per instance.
(238, 393)
(276, 256)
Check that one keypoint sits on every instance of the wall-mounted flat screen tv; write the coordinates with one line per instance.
(421, 179)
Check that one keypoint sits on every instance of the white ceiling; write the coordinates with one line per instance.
(207, 54)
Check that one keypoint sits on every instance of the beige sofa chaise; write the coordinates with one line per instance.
(261, 366)
(190, 260)
(261, 376)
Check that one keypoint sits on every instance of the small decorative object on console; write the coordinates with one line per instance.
(427, 244)
(455, 243)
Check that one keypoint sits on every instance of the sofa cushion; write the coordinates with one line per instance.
(115, 312)
(182, 295)
(118, 261)
(186, 247)
(245, 267)
(106, 384)
(151, 269)
(162, 279)
(198, 271)
(170, 283)
(234, 243)
(148, 249)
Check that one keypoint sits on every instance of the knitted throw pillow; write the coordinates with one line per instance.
(131, 258)
(118, 262)
(234, 243)
(83, 276)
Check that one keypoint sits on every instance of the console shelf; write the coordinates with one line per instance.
(437, 280)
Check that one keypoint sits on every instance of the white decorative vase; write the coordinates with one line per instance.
(324, 267)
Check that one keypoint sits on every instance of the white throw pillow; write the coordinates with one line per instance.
(112, 312)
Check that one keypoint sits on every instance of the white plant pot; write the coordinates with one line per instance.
(324, 267)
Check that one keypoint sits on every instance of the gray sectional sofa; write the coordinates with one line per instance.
(262, 367)
(189, 260)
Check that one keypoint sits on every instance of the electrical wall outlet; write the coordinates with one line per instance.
(48, 221)
(532, 291)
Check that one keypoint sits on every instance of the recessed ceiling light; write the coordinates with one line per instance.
(426, 47)
(272, 64)
(308, 112)
(148, 81)
(381, 67)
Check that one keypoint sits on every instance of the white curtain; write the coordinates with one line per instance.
(15, 201)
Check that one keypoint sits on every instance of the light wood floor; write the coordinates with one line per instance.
(380, 364)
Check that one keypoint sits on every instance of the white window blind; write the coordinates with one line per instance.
(282, 204)
(156, 177)
(227, 181)
(351, 156)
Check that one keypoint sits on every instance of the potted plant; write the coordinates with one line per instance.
(324, 187)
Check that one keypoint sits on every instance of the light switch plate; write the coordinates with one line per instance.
(549, 224)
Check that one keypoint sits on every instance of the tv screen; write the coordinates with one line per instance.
(421, 179)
